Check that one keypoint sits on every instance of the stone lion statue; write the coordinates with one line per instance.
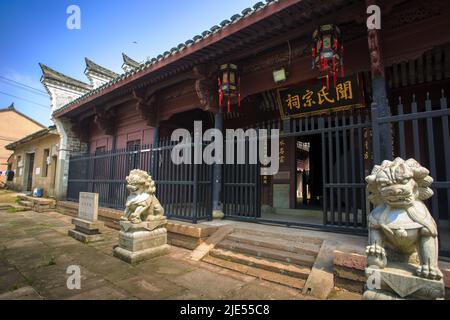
(400, 221)
(142, 204)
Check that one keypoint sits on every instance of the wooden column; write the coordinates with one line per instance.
(379, 94)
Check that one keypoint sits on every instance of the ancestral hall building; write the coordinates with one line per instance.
(387, 98)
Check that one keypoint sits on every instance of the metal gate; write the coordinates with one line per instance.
(241, 183)
(184, 190)
(345, 144)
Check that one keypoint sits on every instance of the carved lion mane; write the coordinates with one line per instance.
(399, 172)
(141, 178)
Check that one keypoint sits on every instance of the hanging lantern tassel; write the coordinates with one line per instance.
(239, 92)
(342, 70)
(328, 83)
(229, 104)
(220, 93)
(334, 71)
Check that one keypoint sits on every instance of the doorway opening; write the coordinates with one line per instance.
(299, 198)
(308, 173)
(30, 168)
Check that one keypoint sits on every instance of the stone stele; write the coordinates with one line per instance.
(143, 234)
(402, 255)
(87, 227)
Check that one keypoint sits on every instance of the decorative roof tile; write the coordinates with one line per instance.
(246, 11)
(235, 17)
(259, 5)
(214, 28)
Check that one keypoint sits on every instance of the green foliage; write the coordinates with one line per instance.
(52, 261)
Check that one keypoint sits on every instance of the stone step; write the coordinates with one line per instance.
(262, 252)
(256, 272)
(5, 206)
(26, 203)
(279, 236)
(265, 264)
(38, 201)
(19, 208)
(283, 245)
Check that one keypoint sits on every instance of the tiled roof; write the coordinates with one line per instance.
(130, 62)
(92, 66)
(11, 107)
(175, 50)
(53, 75)
(30, 137)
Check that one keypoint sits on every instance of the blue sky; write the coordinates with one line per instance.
(35, 31)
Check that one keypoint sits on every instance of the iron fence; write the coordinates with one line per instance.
(421, 131)
(184, 190)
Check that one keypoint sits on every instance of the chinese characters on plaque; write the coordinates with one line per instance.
(282, 156)
(299, 101)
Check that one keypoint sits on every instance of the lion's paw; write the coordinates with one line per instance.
(433, 273)
(376, 255)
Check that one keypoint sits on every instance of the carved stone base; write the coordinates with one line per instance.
(137, 243)
(138, 256)
(86, 231)
(399, 282)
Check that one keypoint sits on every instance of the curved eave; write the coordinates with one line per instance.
(235, 26)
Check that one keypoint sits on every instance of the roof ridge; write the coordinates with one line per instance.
(9, 108)
(29, 137)
(91, 65)
(49, 73)
(12, 108)
(129, 61)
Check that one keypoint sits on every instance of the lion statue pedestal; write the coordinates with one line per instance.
(143, 234)
(402, 255)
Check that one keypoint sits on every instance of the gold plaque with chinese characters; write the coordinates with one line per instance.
(315, 99)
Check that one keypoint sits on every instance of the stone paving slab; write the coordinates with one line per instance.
(24, 293)
(35, 252)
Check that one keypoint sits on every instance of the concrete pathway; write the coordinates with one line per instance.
(35, 253)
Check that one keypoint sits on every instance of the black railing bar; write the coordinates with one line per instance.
(415, 116)
(347, 185)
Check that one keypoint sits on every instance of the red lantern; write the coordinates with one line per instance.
(229, 84)
(327, 51)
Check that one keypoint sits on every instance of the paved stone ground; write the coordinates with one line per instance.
(35, 252)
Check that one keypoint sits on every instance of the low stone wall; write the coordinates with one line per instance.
(349, 271)
(36, 204)
(180, 234)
